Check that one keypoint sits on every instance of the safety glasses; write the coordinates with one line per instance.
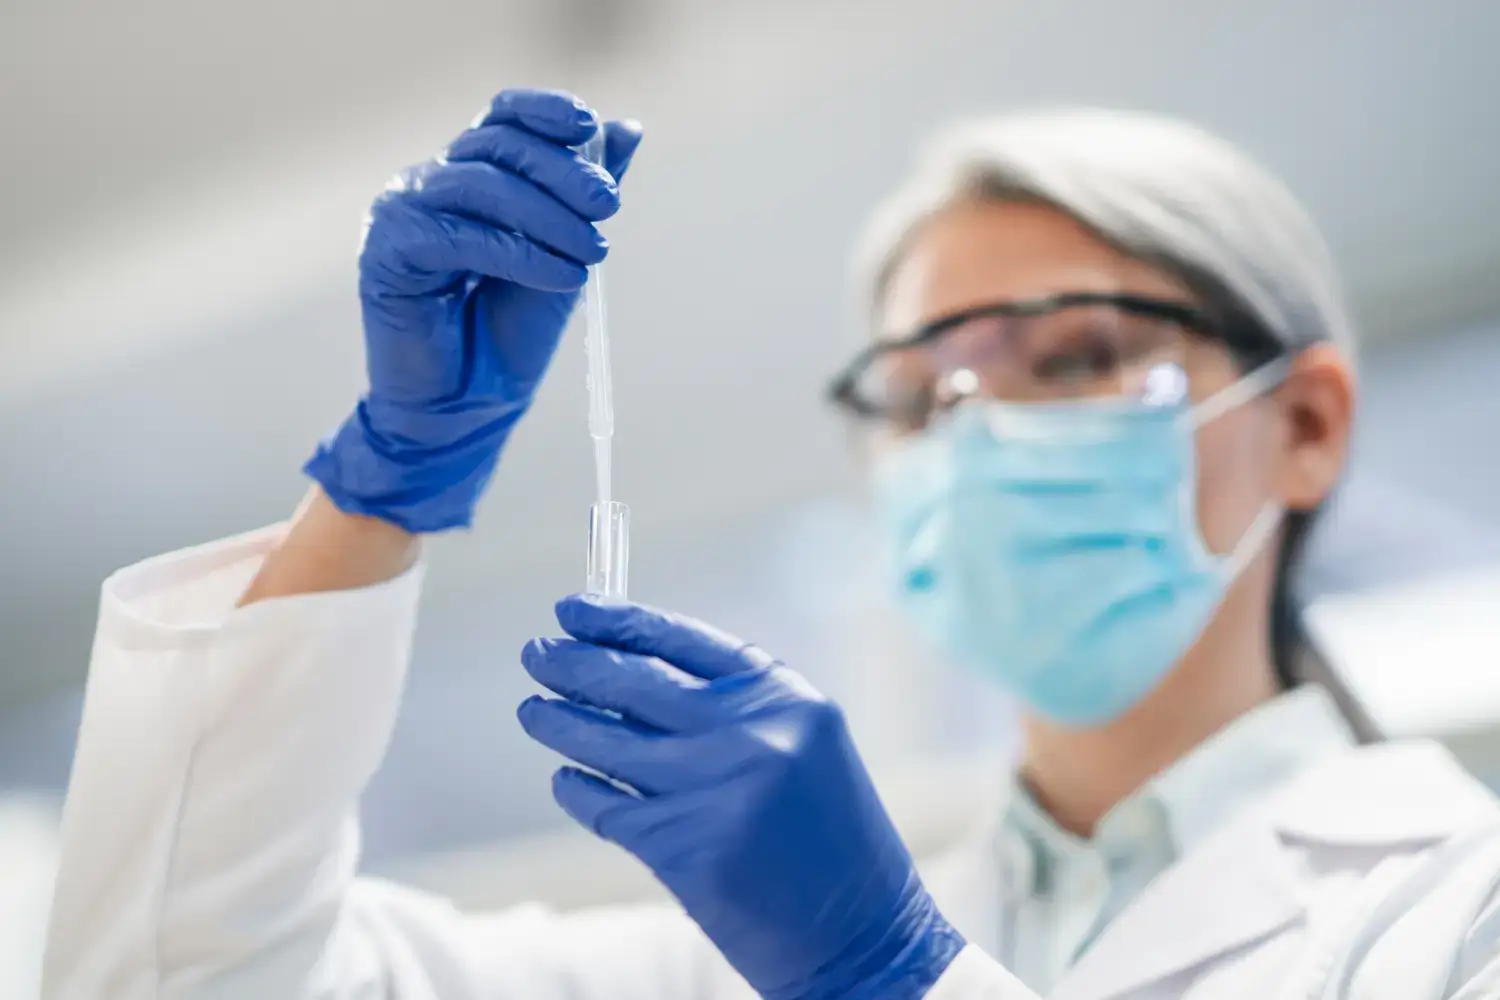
(1072, 346)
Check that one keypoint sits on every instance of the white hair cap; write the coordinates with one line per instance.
(1159, 189)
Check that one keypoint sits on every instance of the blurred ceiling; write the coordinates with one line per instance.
(181, 185)
(105, 103)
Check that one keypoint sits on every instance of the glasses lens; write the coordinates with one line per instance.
(1074, 353)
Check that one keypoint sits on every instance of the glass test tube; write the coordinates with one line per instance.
(609, 549)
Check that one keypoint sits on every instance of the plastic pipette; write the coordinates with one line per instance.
(609, 520)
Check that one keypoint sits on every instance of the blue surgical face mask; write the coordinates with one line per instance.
(1056, 546)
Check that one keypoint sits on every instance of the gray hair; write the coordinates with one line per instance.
(1183, 200)
(1156, 188)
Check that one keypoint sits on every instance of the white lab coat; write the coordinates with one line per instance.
(210, 845)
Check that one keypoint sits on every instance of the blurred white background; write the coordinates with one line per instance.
(181, 188)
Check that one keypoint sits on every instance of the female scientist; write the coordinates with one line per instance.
(1110, 387)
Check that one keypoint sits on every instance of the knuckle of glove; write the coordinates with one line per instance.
(390, 228)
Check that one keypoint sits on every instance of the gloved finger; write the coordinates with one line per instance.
(643, 688)
(404, 237)
(500, 198)
(667, 833)
(591, 801)
(651, 762)
(584, 187)
(691, 645)
(552, 114)
(621, 139)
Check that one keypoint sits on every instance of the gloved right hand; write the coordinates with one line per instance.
(738, 784)
(471, 265)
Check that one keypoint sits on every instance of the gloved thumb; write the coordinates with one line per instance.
(620, 141)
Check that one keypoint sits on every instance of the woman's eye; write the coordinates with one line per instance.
(913, 409)
(1087, 362)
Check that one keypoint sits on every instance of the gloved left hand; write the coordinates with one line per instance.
(470, 267)
(747, 799)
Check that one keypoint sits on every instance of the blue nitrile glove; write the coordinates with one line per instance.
(752, 805)
(470, 267)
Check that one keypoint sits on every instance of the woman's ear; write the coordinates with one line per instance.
(1317, 404)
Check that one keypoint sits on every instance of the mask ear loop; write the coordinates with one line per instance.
(1249, 387)
(1255, 538)
(1261, 530)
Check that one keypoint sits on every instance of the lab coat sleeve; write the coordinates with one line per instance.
(973, 975)
(210, 840)
(1476, 972)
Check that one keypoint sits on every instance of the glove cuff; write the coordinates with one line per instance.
(905, 963)
(416, 486)
(918, 966)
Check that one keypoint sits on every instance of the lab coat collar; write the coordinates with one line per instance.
(1412, 791)
(1195, 796)
(1249, 759)
(1241, 885)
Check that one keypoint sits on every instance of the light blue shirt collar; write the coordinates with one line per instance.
(1196, 795)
